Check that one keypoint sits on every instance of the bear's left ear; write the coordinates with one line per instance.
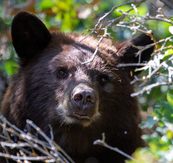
(29, 35)
(127, 52)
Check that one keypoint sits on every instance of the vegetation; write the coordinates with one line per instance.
(153, 87)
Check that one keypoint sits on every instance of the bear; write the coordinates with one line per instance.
(58, 85)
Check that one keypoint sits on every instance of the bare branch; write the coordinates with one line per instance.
(99, 25)
(103, 143)
(97, 47)
(50, 151)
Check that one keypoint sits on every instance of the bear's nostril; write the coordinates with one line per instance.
(78, 97)
(90, 99)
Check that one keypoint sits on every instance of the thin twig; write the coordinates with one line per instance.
(97, 47)
(148, 88)
(103, 143)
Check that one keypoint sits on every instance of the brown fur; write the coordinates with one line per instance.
(39, 94)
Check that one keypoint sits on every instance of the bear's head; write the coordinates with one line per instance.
(55, 81)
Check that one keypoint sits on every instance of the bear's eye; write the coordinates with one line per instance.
(104, 79)
(62, 73)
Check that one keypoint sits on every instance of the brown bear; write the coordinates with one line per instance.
(80, 101)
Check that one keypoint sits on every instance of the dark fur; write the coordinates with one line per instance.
(38, 93)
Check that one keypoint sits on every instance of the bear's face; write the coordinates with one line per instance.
(76, 91)
(79, 88)
(56, 80)
(76, 85)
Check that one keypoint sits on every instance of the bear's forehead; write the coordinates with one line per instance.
(74, 55)
(70, 48)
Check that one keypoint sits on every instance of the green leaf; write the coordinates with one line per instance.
(169, 134)
(11, 67)
(170, 99)
(46, 4)
(168, 53)
(158, 113)
(149, 123)
(167, 111)
(62, 5)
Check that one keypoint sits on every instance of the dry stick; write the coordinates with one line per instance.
(165, 42)
(18, 146)
(51, 133)
(14, 130)
(155, 70)
(154, 44)
(115, 7)
(147, 17)
(139, 53)
(103, 143)
(132, 28)
(144, 48)
(131, 64)
(136, 79)
(17, 157)
(53, 144)
(6, 133)
(159, 50)
(38, 158)
(44, 135)
(14, 145)
(1, 136)
(8, 123)
(40, 132)
(148, 88)
(123, 15)
(98, 26)
(29, 139)
(85, 37)
(160, 19)
(97, 47)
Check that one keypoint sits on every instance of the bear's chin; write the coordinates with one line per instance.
(80, 119)
(85, 122)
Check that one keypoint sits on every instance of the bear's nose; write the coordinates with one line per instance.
(84, 98)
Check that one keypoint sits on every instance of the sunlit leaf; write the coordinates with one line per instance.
(169, 134)
(170, 99)
(11, 67)
(62, 5)
(46, 4)
(168, 52)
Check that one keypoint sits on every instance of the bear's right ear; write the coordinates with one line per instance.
(29, 35)
(127, 52)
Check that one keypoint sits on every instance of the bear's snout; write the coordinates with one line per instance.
(83, 101)
(83, 98)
